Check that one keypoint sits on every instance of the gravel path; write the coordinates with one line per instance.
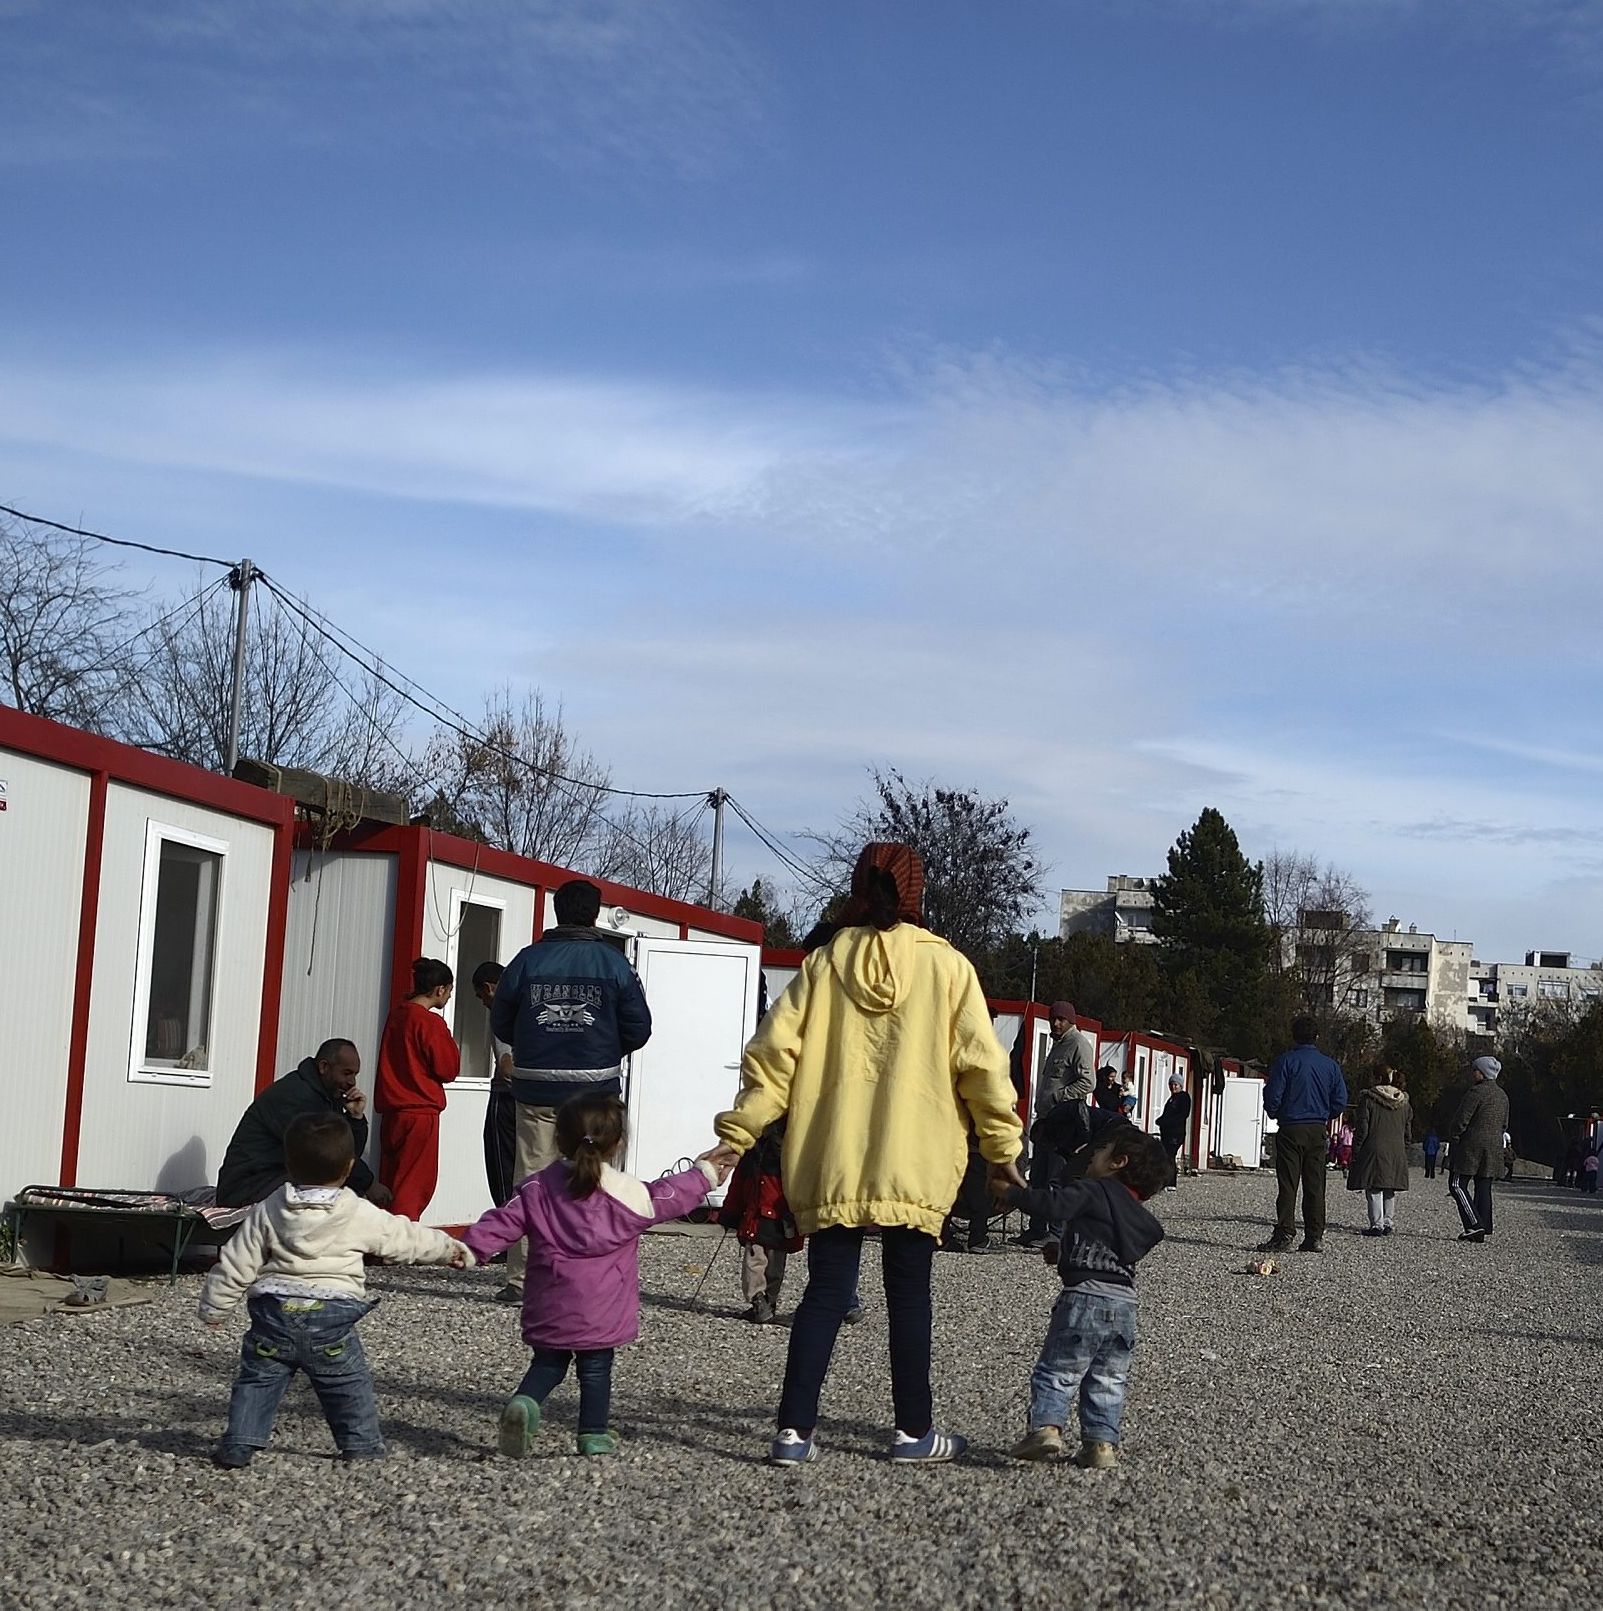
(1408, 1422)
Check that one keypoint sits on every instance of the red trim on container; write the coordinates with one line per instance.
(684, 931)
(88, 917)
(450, 851)
(783, 956)
(411, 878)
(121, 763)
(273, 965)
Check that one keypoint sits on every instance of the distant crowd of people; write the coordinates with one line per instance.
(875, 1097)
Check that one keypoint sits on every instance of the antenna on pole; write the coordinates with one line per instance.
(715, 887)
(240, 579)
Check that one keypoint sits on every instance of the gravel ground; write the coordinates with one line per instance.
(1408, 1422)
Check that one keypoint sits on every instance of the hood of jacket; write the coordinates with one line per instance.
(875, 965)
(1389, 1095)
(1136, 1229)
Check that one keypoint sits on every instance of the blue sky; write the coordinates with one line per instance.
(1123, 407)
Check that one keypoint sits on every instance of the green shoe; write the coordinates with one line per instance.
(598, 1443)
(520, 1420)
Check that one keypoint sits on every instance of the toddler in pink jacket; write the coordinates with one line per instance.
(581, 1292)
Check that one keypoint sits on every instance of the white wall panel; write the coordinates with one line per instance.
(41, 889)
(337, 956)
(171, 1137)
(463, 1192)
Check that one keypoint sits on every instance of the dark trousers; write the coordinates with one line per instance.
(833, 1259)
(501, 1144)
(1046, 1170)
(1472, 1195)
(318, 1337)
(1430, 1166)
(973, 1205)
(593, 1367)
(1300, 1160)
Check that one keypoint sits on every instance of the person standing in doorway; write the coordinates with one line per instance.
(417, 1059)
(1476, 1140)
(1066, 1076)
(1175, 1120)
(1305, 1094)
(501, 1111)
(572, 1009)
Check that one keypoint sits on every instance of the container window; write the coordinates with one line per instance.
(178, 929)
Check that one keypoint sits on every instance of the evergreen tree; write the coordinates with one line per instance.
(759, 903)
(1214, 940)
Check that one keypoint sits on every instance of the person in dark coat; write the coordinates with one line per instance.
(253, 1166)
(1381, 1133)
(1433, 1147)
(1475, 1138)
(1175, 1119)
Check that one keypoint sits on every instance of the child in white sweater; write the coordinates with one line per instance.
(298, 1256)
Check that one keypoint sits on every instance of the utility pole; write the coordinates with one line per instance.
(715, 886)
(239, 579)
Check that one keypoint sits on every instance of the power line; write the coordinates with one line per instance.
(196, 601)
(787, 859)
(116, 542)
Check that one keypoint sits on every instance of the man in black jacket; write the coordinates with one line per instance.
(253, 1167)
(1175, 1119)
(571, 1009)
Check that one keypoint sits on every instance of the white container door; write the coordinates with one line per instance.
(703, 999)
(1241, 1122)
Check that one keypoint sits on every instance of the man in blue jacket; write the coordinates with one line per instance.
(1305, 1092)
(572, 1009)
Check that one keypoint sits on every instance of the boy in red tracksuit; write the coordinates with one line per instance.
(417, 1059)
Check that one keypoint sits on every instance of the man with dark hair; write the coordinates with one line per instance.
(571, 1009)
(253, 1166)
(1305, 1094)
(501, 1111)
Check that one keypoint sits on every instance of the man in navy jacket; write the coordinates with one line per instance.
(1305, 1093)
(572, 1009)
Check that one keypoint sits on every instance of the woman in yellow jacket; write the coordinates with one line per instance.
(883, 1056)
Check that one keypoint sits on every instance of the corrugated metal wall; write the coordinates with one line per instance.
(337, 955)
(41, 882)
(165, 1136)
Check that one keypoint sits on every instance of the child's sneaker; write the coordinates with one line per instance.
(232, 1456)
(934, 1448)
(790, 1448)
(761, 1312)
(598, 1442)
(1044, 1443)
(520, 1420)
(1097, 1456)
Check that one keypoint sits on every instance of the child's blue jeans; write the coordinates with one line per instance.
(1088, 1347)
(593, 1367)
(318, 1336)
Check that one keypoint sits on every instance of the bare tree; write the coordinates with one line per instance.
(61, 624)
(982, 875)
(657, 849)
(524, 784)
(303, 704)
(1321, 922)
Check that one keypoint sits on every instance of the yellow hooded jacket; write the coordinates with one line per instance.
(883, 1055)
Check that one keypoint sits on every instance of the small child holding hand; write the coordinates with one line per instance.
(581, 1295)
(297, 1259)
(1105, 1230)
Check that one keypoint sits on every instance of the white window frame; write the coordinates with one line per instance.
(460, 898)
(139, 1073)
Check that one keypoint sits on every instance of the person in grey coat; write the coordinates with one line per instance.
(1380, 1149)
(1476, 1139)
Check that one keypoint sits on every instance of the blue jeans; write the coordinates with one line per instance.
(833, 1258)
(1088, 1346)
(318, 1336)
(593, 1367)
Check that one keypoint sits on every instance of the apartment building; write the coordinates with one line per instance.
(1122, 910)
(1552, 976)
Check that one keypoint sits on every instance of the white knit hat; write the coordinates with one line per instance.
(1489, 1066)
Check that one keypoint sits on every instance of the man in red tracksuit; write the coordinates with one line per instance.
(417, 1059)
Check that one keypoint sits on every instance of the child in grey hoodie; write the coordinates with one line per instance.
(1105, 1230)
(298, 1256)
